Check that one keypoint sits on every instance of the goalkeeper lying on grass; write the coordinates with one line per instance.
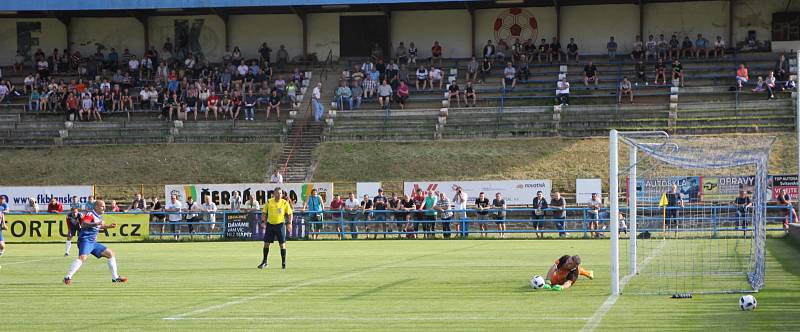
(564, 273)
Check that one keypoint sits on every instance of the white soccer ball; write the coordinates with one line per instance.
(537, 282)
(747, 303)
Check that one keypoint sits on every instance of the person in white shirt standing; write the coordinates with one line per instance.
(210, 208)
(276, 177)
(460, 205)
(174, 205)
(316, 94)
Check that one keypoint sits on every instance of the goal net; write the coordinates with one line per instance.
(695, 211)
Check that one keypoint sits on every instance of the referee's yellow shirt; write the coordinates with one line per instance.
(277, 211)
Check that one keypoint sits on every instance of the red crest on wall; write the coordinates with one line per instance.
(515, 23)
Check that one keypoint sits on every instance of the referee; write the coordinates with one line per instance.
(275, 213)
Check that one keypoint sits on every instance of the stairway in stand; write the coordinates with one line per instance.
(296, 161)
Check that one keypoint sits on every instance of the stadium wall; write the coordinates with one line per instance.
(590, 25)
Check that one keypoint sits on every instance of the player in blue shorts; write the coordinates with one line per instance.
(3, 226)
(73, 224)
(90, 226)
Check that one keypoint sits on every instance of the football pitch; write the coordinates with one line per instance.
(363, 285)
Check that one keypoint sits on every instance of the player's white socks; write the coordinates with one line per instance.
(1, 252)
(112, 265)
(69, 245)
(76, 264)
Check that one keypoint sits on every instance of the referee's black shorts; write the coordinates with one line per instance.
(275, 232)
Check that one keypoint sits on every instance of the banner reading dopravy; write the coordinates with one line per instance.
(17, 197)
(515, 192)
(221, 193)
(53, 227)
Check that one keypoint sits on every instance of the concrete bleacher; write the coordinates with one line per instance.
(706, 104)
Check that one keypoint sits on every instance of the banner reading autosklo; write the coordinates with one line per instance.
(17, 197)
(221, 193)
(53, 228)
(786, 182)
(515, 192)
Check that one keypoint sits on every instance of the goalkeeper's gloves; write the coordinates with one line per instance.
(556, 288)
(548, 282)
(546, 286)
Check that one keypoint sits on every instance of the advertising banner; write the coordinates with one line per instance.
(651, 189)
(726, 188)
(585, 187)
(241, 226)
(515, 192)
(17, 197)
(786, 182)
(221, 193)
(367, 188)
(53, 228)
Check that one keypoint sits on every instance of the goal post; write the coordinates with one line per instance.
(699, 240)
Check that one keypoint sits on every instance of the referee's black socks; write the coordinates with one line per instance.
(283, 256)
(266, 253)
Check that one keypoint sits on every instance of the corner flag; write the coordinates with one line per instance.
(663, 202)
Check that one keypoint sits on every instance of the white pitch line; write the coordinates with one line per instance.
(263, 295)
(382, 319)
(34, 261)
(601, 312)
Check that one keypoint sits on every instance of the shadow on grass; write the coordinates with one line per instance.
(786, 251)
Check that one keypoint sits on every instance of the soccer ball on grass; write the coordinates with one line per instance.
(537, 282)
(747, 303)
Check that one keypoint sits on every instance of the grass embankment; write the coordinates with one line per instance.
(119, 171)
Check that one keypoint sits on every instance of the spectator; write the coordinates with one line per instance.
(282, 57)
(660, 72)
(517, 51)
(337, 204)
(402, 74)
(719, 47)
(445, 213)
(28, 84)
(19, 61)
(489, 51)
(760, 87)
(771, 84)
(687, 48)
(138, 204)
(250, 102)
(651, 48)
(191, 218)
(641, 72)
(482, 205)
(499, 204)
(638, 49)
(276, 177)
(663, 47)
(344, 94)
(33, 100)
(31, 206)
(401, 53)
(86, 112)
(472, 70)
(412, 53)
(590, 75)
(790, 216)
(264, 53)
(436, 54)
(572, 50)
(502, 50)
(523, 71)
(625, 88)
(509, 76)
(555, 50)
(126, 101)
(674, 47)
(486, 69)
(700, 46)
(454, 92)
(314, 206)
(210, 215)
(316, 95)
(781, 68)
(436, 76)
(252, 205)
(460, 200)
(351, 209)
(611, 46)
(429, 205)
(402, 94)
(384, 94)
(594, 205)
(371, 86)
(357, 93)
(539, 206)
(742, 76)
(377, 52)
(4, 93)
(469, 93)
(213, 105)
(365, 208)
(55, 206)
(114, 207)
(544, 50)
(530, 49)
(559, 204)
(422, 77)
(562, 92)
(677, 73)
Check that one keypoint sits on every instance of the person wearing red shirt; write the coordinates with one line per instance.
(213, 104)
(436, 53)
(54, 206)
(337, 204)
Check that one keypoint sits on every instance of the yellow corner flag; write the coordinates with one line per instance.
(663, 202)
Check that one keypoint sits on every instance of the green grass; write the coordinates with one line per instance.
(361, 285)
(120, 170)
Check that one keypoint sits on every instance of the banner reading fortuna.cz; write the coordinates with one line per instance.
(221, 193)
(53, 228)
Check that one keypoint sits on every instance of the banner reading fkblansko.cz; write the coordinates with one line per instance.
(53, 228)
(221, 193)
(17, 197)
(515, 192)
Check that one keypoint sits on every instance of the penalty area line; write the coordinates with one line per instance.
(184, 316)
(383, 319)
(601, 312)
